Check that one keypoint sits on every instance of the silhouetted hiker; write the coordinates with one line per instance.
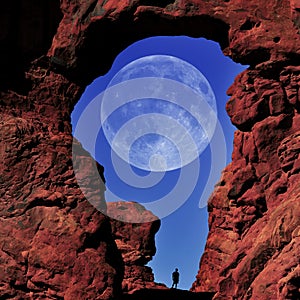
(175, 278)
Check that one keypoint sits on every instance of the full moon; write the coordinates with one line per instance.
(161, 113)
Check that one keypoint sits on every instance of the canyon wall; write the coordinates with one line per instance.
(54, 243)
(254, 210)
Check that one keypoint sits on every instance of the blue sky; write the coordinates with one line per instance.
(181, 239)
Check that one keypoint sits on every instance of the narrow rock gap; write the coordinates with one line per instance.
(162, 264)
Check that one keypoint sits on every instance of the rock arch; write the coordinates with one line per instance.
(46, 224)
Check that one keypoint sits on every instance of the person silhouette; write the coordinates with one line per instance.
(175, 278)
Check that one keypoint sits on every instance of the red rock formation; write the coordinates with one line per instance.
(53, 242)
(135, 242)
(255, 208)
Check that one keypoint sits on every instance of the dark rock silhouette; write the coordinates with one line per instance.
(54, 244)
(172, 294)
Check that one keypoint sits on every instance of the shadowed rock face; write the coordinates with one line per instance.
(27, 30)
(54, 244)
(135, 242)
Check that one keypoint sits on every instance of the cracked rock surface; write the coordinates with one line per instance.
(53, 243)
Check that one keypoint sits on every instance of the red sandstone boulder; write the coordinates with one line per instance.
(135, 242)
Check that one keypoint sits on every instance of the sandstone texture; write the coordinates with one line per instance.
(56, 245)
(255, 206)
(136, 244)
